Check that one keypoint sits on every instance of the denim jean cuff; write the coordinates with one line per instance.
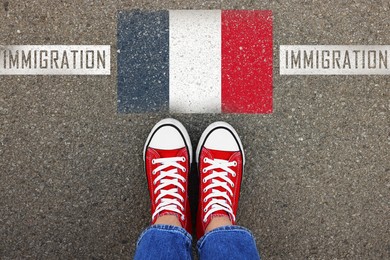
(167, 228)
(232, 228)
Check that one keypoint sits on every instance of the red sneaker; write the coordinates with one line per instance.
(220, 159)
(168, 157)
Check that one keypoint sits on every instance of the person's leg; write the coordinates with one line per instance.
(228, 242)
(220, 158)
(164, 242)
(168, 157)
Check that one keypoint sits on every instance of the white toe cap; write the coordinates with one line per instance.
(167, 138)
(221, 139)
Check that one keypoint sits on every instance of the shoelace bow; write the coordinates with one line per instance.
(220, 200)
(167, 178)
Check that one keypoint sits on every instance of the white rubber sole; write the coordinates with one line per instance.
(210, 128)
(179, 126)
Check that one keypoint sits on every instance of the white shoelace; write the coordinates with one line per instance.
(167, 178)
(219, 200)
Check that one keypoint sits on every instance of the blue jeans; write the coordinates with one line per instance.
(171, 242)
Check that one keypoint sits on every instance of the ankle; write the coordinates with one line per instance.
(172, 220)
(217, 222)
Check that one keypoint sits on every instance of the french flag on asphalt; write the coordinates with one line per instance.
(195, 61)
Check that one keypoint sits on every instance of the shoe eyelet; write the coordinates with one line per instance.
(205, 160)
(204, 190)
(183, 190)
(182, 200)
(234, 175)
(204, 220)
(234, 163)
(154, 172)
(205, 200)
(183, 159)
(154, 182)
(232, 185)
(205, 210)
(184, 170)
(184, 180)
(204, 180)
(204, 170)
(153, 161)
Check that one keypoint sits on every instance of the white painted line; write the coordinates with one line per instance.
(195, 61)
(55, 60)
(334, 59)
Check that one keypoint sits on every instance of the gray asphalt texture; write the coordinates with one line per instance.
(317, 181)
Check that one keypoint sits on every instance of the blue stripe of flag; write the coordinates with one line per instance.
(143, 61)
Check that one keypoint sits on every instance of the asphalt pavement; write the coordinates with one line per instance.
(317, 179)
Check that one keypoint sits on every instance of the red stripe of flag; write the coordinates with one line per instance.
(246, 61)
